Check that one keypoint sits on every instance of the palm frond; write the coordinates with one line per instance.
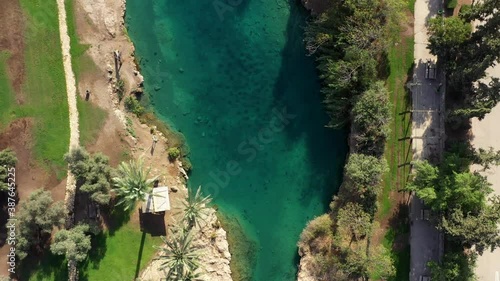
(132, 183)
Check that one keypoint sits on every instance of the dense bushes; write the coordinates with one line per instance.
(173, 153)
(132, 105)
(349, 40)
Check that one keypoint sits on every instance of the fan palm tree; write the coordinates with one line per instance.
(132, 183)
(195, 207)
(180, 258)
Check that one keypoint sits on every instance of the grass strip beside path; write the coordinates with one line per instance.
(45, 85)
(392, 216)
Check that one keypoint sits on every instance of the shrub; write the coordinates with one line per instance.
(173, 153)
(120, 89)
(7, 160)
(133, 105)
(186, 164)
(464, 9)
(319, 227)
(452, 4)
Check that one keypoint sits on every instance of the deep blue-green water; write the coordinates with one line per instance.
(233, 77)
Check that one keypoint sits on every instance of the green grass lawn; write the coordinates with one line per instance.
(114, 256)
(125, 252)
(398, 148)
(45, 85)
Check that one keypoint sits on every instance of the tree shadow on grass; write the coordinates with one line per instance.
(43, 267)
(139, 256)
(398, 239)
(115, 217)
(95, 255)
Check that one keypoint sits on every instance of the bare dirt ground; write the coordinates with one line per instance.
(11, 40)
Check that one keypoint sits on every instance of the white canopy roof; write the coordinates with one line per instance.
(157, 202)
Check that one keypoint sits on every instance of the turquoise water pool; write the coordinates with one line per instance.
(232, 76)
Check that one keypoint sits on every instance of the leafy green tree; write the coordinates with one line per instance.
(424, 182)
(73, 243)
(364, 171)
(441, 191)
(371, 117)
(479, 230)
(486, 158)
(180, 259)
(353, 223)
(318, 228)
(447, 34)
(132, 183)
(358, 263)
(195, 208)
(7, 160)
(348, 39)
(466, 56)
(455, 266)
(466, 191)
(93, 174)
(36, 219)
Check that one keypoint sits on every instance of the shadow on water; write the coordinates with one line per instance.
(327, 148)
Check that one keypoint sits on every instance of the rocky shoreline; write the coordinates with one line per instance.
(106, 33)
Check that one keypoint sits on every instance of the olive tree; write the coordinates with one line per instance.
(93, 174)
(74, 244)
(36, 219)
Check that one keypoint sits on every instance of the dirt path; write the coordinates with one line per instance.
(71, 91)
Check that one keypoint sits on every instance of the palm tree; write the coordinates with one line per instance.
(132, 183)
(180, 258)
(195, 207)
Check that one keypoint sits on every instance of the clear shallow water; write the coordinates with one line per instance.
(239, 87)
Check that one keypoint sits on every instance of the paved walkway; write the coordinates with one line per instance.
(427, 138)
(73, 111)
